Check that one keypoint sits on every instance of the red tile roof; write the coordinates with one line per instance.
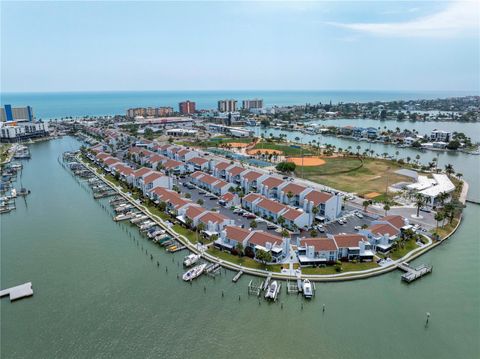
(152, 177)
(318, 197)
(261, 238)
(234, 171)
(383, 228)
(194, 211)
(220, 184)
(252, 175)
(229, 196)
(396, 221)
(294, 188)
(235, 233)
(171, 164)
(183, 152)
(141, 172)
(198, 160)
(292, 214)
(208, 179)
(271, 206)
(197, 174)
(251, 197)
(222, 165)
(348, 240)
(102, 155)
(272, 182)
(320, 244)
(111, 161)
(214, 217)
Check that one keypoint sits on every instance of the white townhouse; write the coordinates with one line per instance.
(197, 164)
(269, 187)
(135, 176)
(329, 205)
(249, 180)
(155, 179)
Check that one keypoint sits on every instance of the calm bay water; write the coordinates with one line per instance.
(98, 294)
(57, 105)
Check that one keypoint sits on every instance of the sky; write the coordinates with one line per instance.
(317, 45)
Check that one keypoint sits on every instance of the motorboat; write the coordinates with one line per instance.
(190, 259)
(123, 216)
(146, 225)
(272, 290)
(194, 272)
(307, 289)
(138, 218)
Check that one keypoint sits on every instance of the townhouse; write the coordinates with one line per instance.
(173, 166)
(220, 169)
(154, 179)
(231, 236)
(384, 231)
(185, 154)
(213, 222)
(292, 194)
(229, 199)
(353, 246)
(210, 183)
(329, 205)
(314, 251)
(249, 180)
(232, 174)
(197, 164)
(174, 202)
(260, 240)
(270, 185)
(135, 176)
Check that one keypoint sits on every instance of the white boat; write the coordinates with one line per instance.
(272, 290)
(124, 216)
(146, 225)
(307, 289)
(155, 233)
(138, 218)
(194, 272)
(190, 260)
(13, 193)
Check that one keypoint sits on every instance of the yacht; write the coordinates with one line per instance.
(272, 290)
(194, 272)
(190, 259)
(307, 289)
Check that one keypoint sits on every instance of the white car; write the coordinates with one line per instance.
(357, 228)
(339, 221)
(359, 215)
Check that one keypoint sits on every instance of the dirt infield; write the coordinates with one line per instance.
(372, 195)
(263, 151)
(307, 161)
(237, 144)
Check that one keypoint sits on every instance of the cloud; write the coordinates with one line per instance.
(457, 18)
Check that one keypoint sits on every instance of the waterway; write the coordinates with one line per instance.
(97, 293)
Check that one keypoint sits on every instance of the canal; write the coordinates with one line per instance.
(97, 292)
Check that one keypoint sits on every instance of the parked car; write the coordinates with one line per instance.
(237, 211)
(213, 198)
(359, 215)
(250, 216)
(271, 226)
(357, 228)
(340, 221)
(425, 209)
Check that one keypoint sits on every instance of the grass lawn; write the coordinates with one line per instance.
(189, 234)
(243, 261)
(284, 148)
(213, 142)
(446, 229)
(400, 252)
(373, 176)
(346, 267)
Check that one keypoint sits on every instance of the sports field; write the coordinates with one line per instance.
(263, 151)
(349, 175)
(285, 149)
(307, 161)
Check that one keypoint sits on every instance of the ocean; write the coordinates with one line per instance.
(57, 105)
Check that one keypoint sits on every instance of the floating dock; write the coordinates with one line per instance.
(237, 277)
(412, 274)
(18, 292)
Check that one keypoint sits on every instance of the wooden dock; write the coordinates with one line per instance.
(18, 292)
(237, 277)
(412, 274)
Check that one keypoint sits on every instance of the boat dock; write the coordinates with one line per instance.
(254, 288)
(237, 277)
(18, 292)
(412, 274)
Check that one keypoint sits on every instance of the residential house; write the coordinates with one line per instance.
(135, 176)
(197, 164)
(231, 236)
(155, 179)
(220, 169)
(292, 194)
(353, 246)
(329, 205)
(249, 179)
(233, 174)
(269, 186)
(314, 251)
(277, 246)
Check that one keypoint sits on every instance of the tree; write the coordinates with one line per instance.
(263, 256)
(200, 228)
(286, 167)
(148, 133)
(315, 210)
(188, 222)
(162, 206)
(419, 202)
(285, 233)
(188, 195)
(313, 233)
(366, 204)
(386, 207)
(439, 217)
(200, 202)
(453, 145)
(239, 248)
(290, 196)
(449, 169)
(253, 224)
(280, 220)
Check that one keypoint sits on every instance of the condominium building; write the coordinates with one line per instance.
(186, 107)
(440, 136)
(252, 104)
(149, 111)
(9, 113)
(227, 105)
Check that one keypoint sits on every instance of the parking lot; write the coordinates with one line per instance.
(226, 211)
(349, 225)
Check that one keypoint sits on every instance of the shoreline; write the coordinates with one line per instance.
(346, 276)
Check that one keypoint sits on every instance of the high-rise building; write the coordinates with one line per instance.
(149, 111)
(186, 107)
(227, 105)
(9, 113)
(250, 104)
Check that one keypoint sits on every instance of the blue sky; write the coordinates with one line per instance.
(356, 45)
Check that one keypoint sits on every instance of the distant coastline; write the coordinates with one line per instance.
(50, 105)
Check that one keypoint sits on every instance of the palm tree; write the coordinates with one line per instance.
(459, 175)
(200, 228)
(449, 169)
(285, 233)
(408, 159)
(386, 207)
(442, 197)
(289, 196)
(280, 220)
(200, 202)
(366, 204)
(314, 211)
(439, 217)
(419, 202)
(239, 248)
(253, 224)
